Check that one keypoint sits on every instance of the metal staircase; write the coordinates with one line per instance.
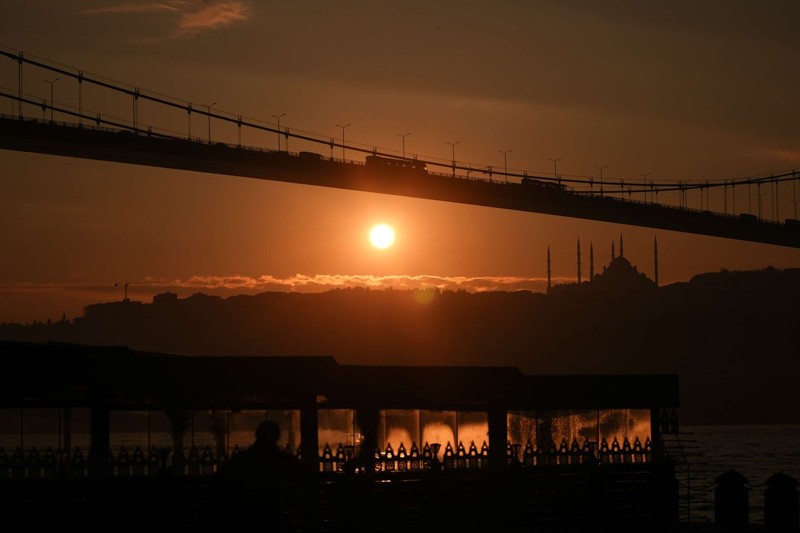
(695, 484)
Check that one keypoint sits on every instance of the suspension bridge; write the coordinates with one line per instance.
(82, 132)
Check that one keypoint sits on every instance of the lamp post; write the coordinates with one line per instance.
(279, 129)
(644, 185)
(403, 136)
(601, 177)
(505, 162)
(343, 127)
(555, 166)
(209, 121)
(51, 82)
(453, 144)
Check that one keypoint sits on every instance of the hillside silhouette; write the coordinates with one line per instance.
(730, 336)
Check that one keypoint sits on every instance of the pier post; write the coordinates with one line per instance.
(309, 437)
(731, 508)
(781, 503)
(498, 435)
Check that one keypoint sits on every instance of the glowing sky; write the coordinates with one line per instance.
(680, 90)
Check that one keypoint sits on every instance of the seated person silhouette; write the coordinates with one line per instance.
(256, 481)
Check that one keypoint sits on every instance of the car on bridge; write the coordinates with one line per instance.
(531, 182)
(396, 163)
(310, 156)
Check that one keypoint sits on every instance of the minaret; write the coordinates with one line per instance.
(579, 260)
(621, 249)
(655, 258)
(591, 262)
(612, 251)
(548, 269)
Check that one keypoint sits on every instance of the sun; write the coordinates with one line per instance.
(381, 236)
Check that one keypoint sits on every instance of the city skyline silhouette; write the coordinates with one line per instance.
(180, 225)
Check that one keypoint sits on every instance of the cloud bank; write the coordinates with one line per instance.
(322, 282)
(22, 302)
(297, 283)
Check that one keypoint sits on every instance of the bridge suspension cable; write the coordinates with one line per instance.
(580, 184)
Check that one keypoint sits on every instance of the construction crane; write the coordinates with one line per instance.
(126, 290)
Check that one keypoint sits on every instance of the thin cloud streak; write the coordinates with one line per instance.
(785, 155)
(134, 7)
(210, 17)
(193, 16)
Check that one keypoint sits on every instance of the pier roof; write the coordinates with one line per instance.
(54, 374)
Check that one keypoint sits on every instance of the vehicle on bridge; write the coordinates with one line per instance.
(396, 163)
(313, 156)
(531, 182)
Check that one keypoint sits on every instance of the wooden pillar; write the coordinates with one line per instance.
(309, 435)
(368, 419)
(67, 431)
(498, 437)
(100, 447)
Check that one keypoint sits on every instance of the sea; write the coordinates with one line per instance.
(754, 451)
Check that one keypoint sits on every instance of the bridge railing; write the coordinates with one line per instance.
(112, 126)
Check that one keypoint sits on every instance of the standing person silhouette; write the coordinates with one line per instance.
(256, 480)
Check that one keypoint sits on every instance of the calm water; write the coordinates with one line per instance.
(756, 452)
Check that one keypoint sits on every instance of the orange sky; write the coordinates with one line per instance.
(681, 90)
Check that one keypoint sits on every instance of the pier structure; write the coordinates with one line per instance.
(463, 445)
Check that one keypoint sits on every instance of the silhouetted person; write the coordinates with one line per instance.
(260, 483)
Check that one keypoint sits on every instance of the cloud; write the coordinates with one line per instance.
(297, 283)
(323, 282)
(784, 155)
(210, 16)
(192, 16)
(25, 302)
(137, 7)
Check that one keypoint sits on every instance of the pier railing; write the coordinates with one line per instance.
(205, 461)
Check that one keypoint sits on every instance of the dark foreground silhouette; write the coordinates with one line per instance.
(255, 488)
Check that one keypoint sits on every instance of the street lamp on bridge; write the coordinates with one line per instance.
(601, 177)
(555, 166)
(453, 144)
(51, 82)
(505, 162)
(644, 185)
(209, 120)
(403, 136)
(279, 129)
(343, 127)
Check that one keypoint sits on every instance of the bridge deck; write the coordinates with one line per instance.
(124, 146)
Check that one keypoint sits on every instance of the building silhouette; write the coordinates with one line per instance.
(620, 275)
